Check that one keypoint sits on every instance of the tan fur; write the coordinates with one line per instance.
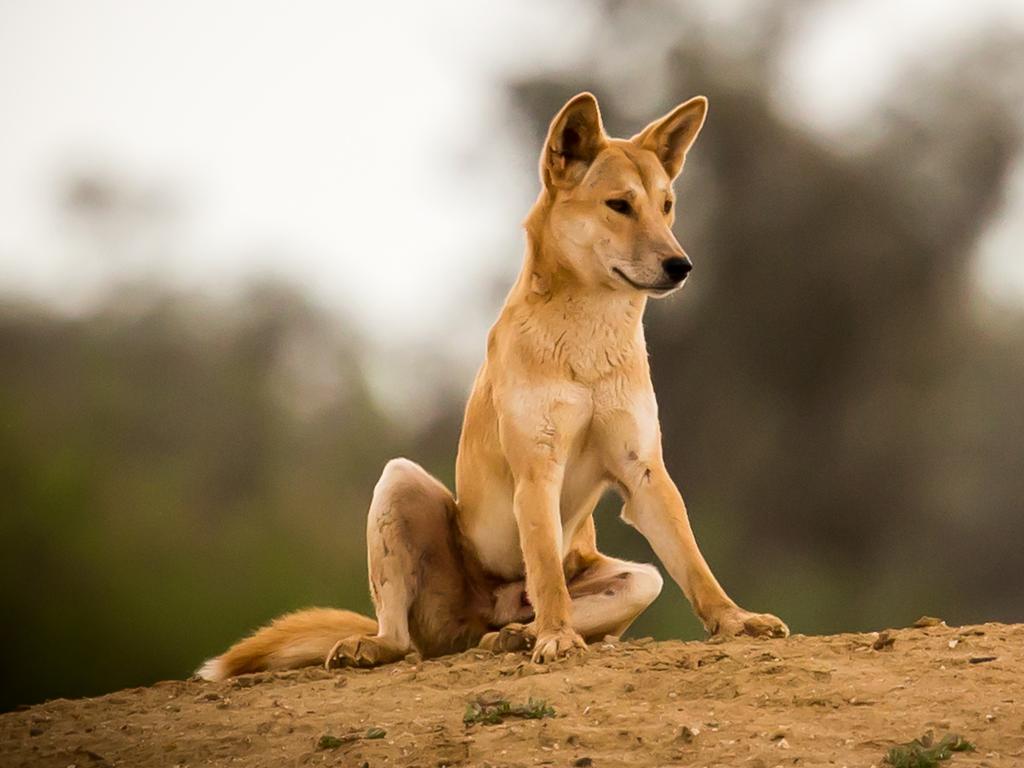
(561, 410)
(293, 640)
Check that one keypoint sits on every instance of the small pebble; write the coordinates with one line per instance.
(885, 641)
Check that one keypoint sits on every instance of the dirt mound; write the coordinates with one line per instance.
(808, 701)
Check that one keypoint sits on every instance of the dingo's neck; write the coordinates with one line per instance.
(591, 329)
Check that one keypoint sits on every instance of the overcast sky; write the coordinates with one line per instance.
(363, 153)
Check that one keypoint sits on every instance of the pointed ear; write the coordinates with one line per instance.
(671, 136)
(575, 138)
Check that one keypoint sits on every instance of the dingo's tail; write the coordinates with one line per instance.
(294, 640)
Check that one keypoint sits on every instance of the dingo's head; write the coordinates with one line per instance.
(610, 204)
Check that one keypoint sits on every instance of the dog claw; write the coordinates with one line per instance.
(362, 651)
(512, 638)
(331, 654)
(554, 645)
(739, 622)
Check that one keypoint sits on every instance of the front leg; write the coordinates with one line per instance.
(536, 507)
(536, 429)
(655, 507)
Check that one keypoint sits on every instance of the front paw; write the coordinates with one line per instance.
(555, 643)
(734, 621)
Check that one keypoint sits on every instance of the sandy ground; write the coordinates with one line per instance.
(803, 701)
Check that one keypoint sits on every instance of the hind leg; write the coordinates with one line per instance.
(607, 596)
(416, 582)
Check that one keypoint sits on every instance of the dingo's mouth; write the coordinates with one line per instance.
(657, 290)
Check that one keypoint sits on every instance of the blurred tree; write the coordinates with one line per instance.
(826, 386)
(175, 471)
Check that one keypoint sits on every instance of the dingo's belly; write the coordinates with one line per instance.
(490, 526)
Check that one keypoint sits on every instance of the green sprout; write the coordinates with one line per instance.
(496, 712)
(925, 752)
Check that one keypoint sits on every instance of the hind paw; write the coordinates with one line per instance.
(363, 651)
(512, 638)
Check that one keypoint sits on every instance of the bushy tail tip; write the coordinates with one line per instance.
(212, 670)
(294, 640)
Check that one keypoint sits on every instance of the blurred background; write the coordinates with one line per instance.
(250, 251)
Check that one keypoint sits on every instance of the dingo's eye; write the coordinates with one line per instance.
(620, 206)
(667, 207)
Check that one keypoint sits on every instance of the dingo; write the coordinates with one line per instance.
(561, 410)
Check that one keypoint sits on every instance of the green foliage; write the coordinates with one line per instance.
(925, 752)
(329, 742)
(170, 482)
(493, 713)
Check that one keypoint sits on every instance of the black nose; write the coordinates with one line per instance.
(677, 268)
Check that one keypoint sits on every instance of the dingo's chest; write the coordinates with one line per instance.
(610, 426)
